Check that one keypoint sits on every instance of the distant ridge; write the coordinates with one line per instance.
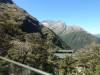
(60, 26)
(75, 36)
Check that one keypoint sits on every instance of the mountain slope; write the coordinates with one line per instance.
(17, 25)
(24, 39)
(74, 36)
(97, 35)
(79, 39)
(6, 1)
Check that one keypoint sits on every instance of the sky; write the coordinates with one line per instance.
(83, 13)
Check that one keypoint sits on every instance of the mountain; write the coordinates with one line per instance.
(6, 1)
(74, 36)
(60, 26)
(97, 35)
(24, 39)
(16, 25)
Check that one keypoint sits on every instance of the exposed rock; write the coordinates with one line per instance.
(30, 25)
(6, 1)
(74, 36)
(60, 27)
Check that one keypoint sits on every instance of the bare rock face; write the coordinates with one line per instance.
(60, 27)
(6, 1)
(15, 24)
(10, 13)
(30, 25)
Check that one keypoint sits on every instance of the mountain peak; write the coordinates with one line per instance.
(6, 1)
(61, 26)
(73, 35)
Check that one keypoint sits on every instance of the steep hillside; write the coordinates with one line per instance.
(74, 36)
(24, 39)
(6, 1)
(17, 25)
(79, 39)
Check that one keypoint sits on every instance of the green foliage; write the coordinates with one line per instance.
(7, 14)
(27, 48)
(90, 60)
(34, 50)
(66, 66)
(79, 40)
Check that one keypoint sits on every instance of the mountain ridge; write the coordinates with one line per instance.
(75, 36)
(17, 24)
(62, 25)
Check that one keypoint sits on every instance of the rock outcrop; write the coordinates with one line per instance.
(6, 1)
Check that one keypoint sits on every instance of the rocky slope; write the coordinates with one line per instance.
(24, 39)
(60, 27)
(17, 25)
(74, 36)
(6, 1)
